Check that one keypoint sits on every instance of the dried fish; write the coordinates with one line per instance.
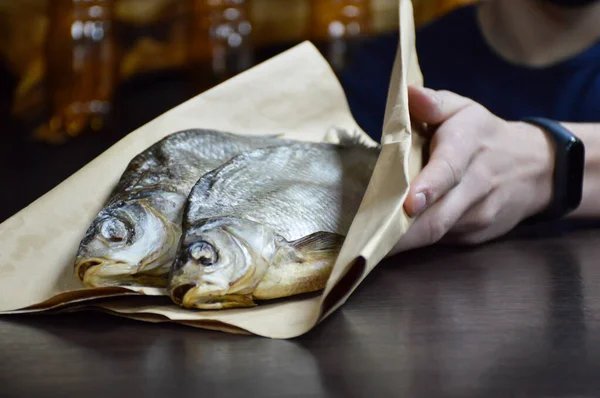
(269, 223)
(133, 239)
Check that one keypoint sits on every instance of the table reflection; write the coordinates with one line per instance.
(516, 316)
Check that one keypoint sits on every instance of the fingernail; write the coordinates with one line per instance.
(419, 203)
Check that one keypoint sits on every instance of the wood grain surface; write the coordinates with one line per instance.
(515, 318)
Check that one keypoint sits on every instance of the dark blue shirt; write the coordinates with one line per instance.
(453, 55)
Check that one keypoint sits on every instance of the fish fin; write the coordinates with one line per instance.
(301, 266)
(217, 303)
(227, 302)
(239, 301)
(343, 137)
(318, 246)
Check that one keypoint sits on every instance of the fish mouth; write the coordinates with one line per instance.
(99, 272)
(82, 267)
(192, 296)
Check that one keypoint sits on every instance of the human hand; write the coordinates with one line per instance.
(484, 174)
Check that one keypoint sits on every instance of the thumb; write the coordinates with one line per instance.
(434, 107)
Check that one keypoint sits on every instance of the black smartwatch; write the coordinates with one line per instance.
(567, 189)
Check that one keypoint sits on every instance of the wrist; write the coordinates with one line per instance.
(541, 164)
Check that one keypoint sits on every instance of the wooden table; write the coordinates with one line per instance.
(515, 318)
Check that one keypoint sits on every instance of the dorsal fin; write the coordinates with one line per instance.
(343, 137)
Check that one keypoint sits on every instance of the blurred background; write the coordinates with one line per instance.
(78, 75)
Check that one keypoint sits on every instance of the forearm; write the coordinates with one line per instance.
(589, 133)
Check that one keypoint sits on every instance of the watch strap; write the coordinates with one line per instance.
(567, 186)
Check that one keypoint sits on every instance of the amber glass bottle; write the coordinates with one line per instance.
(337, 25)
(152, 35)
(220, 37)
(81, 66)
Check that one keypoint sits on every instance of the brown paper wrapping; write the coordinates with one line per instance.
(295, 93)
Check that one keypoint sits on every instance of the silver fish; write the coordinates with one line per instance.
(268, 224)
(133, 239)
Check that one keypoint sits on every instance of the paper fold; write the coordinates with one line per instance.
(295, 93)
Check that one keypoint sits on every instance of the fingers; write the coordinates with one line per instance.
(484, 234)
(451, 154)
(461, 192)
(434, 107)
(484, 212)
(439, 219)
(486, 220)
(479, 218)
(451, 149)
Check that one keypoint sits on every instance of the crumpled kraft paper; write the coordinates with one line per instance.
(295, 93)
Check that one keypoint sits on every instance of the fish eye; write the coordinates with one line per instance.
(114, 230)
(204, 253)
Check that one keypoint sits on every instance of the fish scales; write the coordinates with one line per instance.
(303, 185)
(132, 240)
(268, 223)
(175, 163)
